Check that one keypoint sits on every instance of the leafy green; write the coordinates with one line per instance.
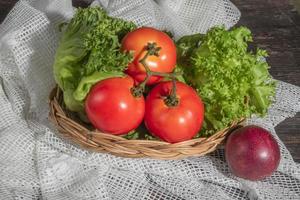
(89, 51)
(87, 82)
(232, 81)
(140, 132)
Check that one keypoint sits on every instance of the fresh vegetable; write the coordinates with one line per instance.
(252, 153)
(233, 82)
(112, 108)
(96, 50)
(89, 51)
(137, 41)
(173, 116)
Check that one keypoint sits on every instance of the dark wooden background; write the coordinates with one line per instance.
(276, 27)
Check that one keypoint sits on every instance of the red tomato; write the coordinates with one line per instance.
(137, 40)
(112, 108)
(178, 123)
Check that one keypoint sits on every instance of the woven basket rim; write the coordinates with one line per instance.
(135, 148)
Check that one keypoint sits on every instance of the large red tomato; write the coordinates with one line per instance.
(137, 40)
(112, 108)
(174, 123)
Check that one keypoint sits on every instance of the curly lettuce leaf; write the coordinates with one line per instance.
(232, 81)
(89, 51)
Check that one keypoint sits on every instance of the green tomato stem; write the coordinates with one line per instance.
(153, 49)
(172, 100)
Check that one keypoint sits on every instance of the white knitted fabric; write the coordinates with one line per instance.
(37, 164)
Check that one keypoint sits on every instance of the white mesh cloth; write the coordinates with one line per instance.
(36, 164)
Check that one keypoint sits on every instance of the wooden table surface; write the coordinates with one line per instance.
(276, 28)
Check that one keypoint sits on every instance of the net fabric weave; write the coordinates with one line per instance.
(35, 163)
(181, 17)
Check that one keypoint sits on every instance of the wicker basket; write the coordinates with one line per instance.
(74, 129)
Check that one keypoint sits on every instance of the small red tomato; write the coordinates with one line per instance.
(137, 40)
(174, 123)
(112, 108)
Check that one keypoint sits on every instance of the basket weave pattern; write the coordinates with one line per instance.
(117, 145)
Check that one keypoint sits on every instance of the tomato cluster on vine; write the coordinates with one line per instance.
(171, 111)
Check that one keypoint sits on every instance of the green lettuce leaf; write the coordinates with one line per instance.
(87, 82)
(89, 51)
(232, 81)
